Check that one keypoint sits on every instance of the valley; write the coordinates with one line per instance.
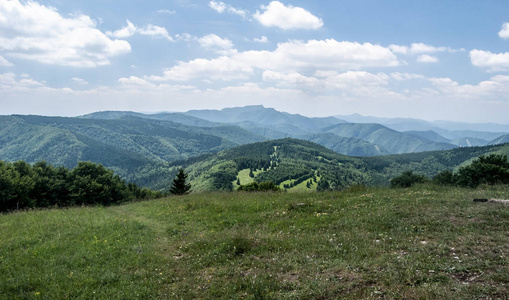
(215, 145)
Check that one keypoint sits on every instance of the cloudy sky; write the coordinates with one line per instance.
(428, 59)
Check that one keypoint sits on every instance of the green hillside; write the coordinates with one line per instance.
(137, 149)
(292, 163)
(149, 152)
(419, 243)
(286, 162)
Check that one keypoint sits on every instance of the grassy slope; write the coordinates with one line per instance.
(423, 242)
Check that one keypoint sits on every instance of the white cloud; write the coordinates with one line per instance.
(4, 62)
(221, 7)
(211, 41)
(492, 62)
(222, 68)
(262, 39)
(496, 88)
(167, 11)
(418, 48)
(504, 32)
(135, 81)
(292, 79)
(427, 59)
(130, 29)
(124, 32)
(293, 56)
(320, 55)
(8, 81)
(36, 32)
(287, 17)
(405, 76)
(399, 49)
(184, 37)
(155, 31)
(421, 48)
(80, 81)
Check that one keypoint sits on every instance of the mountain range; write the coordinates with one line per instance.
(139, 147)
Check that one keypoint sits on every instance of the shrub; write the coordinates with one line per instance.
(407, 179)
(491, 169)
(444, 178)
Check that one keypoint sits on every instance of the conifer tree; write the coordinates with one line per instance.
(179, 185)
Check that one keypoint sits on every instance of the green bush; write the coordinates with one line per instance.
(407, 179)
(491, 169)
(42, 185)
(444, 178)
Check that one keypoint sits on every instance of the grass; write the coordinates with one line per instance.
(424, 242)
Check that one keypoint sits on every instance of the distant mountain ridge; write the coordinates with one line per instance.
(263, 116)
(361, 139)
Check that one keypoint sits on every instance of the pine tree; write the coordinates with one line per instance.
(179, 185)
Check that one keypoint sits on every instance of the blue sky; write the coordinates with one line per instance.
(433, 60)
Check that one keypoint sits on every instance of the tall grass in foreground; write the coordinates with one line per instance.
(422, 242)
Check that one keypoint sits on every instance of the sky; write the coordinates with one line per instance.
(425, 59)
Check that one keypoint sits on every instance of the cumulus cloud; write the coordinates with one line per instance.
(490, 89)
(293, 56)
(4, 62)
(124, 32)
(492, 62)
(212, 41)
(276, 14)
(262, 39)
(405, 76)
(130, 29)
(222, 7)
(427, 59)
(9, 81)
(399, 49)
(80, 81)
(37, 32)
(504, 32)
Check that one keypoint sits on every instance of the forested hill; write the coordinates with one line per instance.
(140, 147)
(136, 148)
(298, 164)
(378, 137)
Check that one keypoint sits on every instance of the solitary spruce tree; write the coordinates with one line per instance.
(179, 185)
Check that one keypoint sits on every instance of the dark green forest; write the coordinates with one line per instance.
(290, 162)
(41, 185)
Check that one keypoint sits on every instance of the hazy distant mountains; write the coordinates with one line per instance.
(357, 135)
(140, 146)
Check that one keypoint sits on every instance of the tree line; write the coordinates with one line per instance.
(486, 169)
(42, 185)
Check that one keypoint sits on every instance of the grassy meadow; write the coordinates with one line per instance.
(425, 242)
